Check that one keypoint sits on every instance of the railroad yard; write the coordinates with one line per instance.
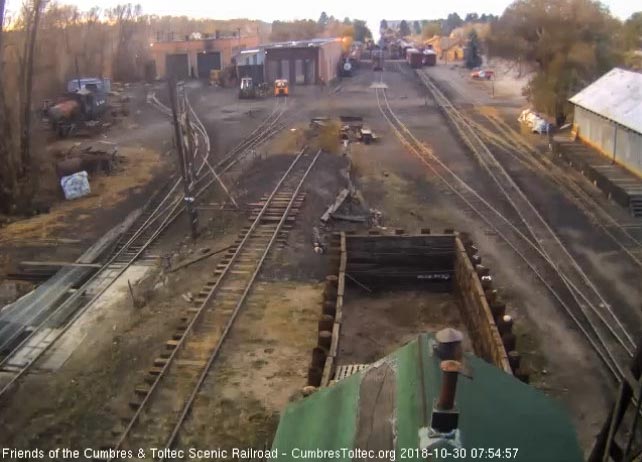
(171, 341)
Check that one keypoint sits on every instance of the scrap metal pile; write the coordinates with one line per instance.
(84, 106)
(77, 164)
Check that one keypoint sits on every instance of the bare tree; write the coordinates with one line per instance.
(127, 19)
(25, 142)
(8, 169)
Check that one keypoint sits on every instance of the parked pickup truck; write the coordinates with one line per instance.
(482, 74)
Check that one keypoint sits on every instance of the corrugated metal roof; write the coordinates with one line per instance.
(301, 43)
(617, 95)
(389, 405)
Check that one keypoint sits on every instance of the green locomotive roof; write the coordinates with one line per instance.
(389, 405)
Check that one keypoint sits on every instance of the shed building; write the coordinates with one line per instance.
(196, 58)
(608, 117)
(249, 63)
(307, 62)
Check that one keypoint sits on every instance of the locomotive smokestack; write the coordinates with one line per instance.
(449, 372)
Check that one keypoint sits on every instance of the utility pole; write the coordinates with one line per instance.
(77, 72)
(191, 147)
(187, 184)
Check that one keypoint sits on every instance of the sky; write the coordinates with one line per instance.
(370, 10)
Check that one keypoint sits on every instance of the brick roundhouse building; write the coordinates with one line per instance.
(197, 57)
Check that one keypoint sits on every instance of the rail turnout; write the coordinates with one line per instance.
(156, 216)
(527, 234)
(162, 404)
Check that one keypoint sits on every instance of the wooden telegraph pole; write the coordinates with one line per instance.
(182, 161)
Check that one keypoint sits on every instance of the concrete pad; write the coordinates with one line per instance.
(59, 353)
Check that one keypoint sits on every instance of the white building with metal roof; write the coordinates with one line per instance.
(608, 116)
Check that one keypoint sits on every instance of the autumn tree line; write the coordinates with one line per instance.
(43, 45)
(325, 26)
(568, 43)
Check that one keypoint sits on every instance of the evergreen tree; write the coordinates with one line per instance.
(473, 52)
(471, 17)
(361, 30)
(323, 19)
(404, 30)
(453, 21)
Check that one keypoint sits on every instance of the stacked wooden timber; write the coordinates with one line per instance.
(484, 312)
(380, 261)
(323, 355)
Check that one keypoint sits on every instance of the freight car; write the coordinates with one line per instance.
(345, 68)
(414, 58)
(404, 47)
(377, 59)
(87, 104)
(429, 57)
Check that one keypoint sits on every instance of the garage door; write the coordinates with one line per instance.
(299, 73)
(310, 74)
(207, 62)
(176, 66)
(285, 70)
(272, 71)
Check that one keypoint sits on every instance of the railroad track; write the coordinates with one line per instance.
(542, 234)
(23, 357)
(599, 325)
(162, 403)
(207, 173)
(504, 137)
(156, 216)
(513, 144)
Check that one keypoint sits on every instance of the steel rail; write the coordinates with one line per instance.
(187, 407)
(163, 371)
(572, 290)
(154, 215)
(490, 164)
(523, 153)
(49, 317)
(262, 133)
(168, 214)
(79, 312)
(417, 148)
(270, 121)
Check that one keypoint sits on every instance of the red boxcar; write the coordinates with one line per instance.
(413, 57)
(429, 57)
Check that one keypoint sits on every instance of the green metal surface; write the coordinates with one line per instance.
(499, 415)
(409, 401)
(327, 420)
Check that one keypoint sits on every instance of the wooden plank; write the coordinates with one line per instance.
(334, 346)
(199, 258)
(60, 263)
(350, 218)
(342, 274)
(341, 197)
(481, 324)
(327, 371)
(338, 316)
(377, 406)
(355, 238)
